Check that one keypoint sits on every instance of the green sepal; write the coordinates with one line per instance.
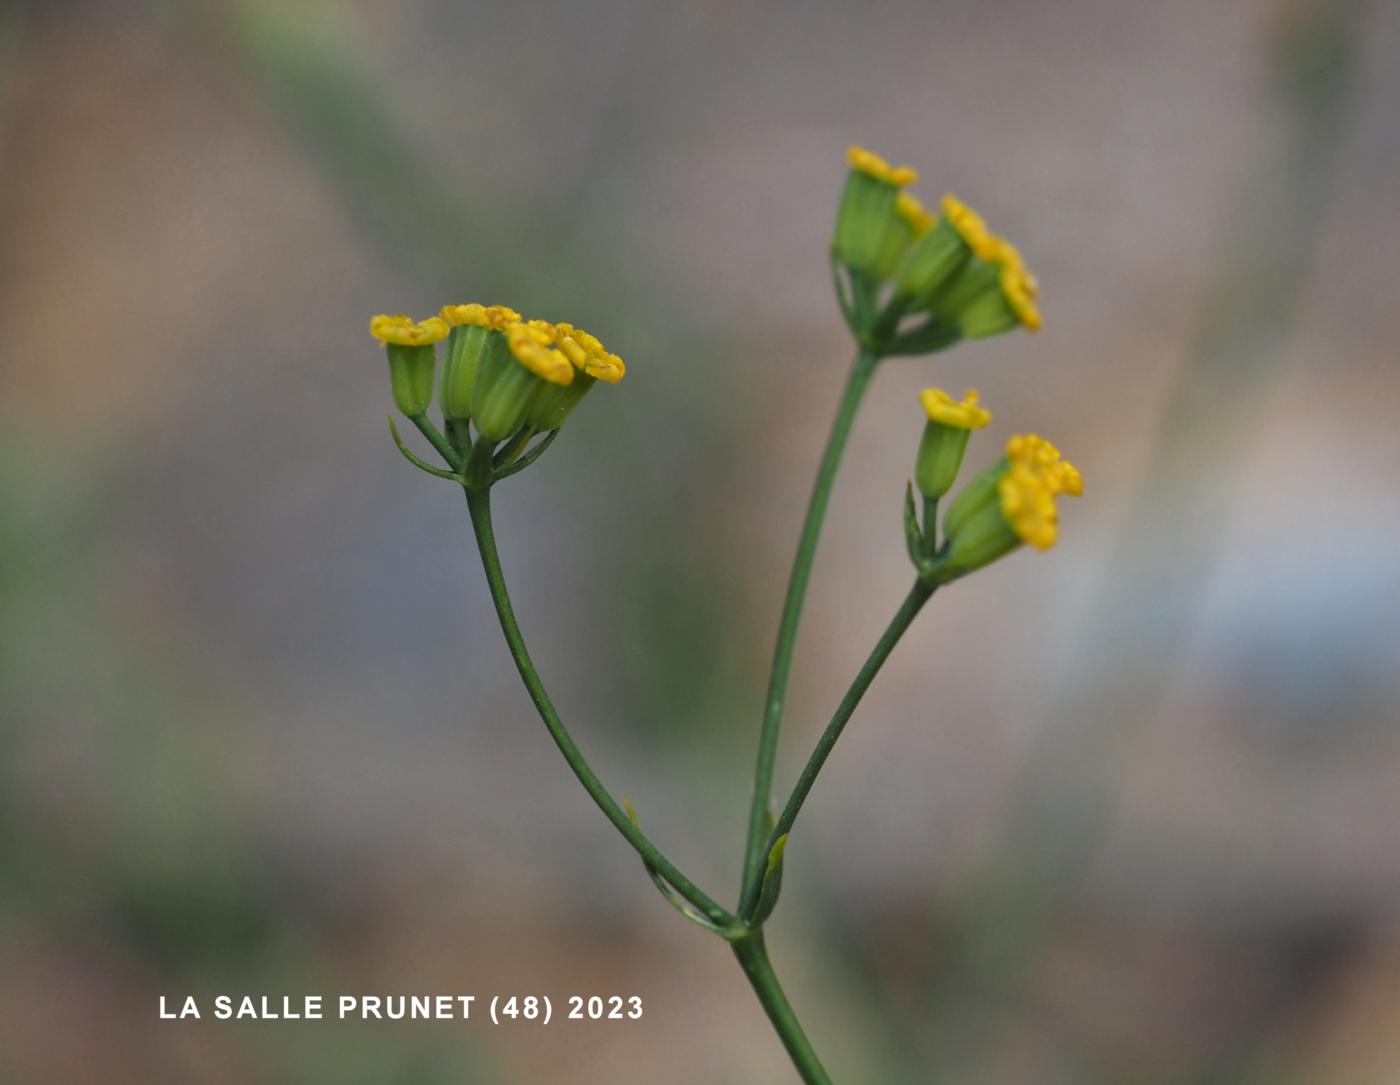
(772, 883)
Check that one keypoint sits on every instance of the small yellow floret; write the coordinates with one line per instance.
(404, 331)
(970, 227)
(1018, 285)
(868, 162)
(587, 353)
(532, 345)
(607, 367)
(1029, 506)
(912, 211)
(494, 317)
(947, 411)
(1039, 456)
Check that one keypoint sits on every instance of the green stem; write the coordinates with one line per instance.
(437, 440)
(753, 958)
(930, 526)
(904, 617)
(755, 853)
(479, 505)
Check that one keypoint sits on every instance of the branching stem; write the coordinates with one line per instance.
(479, 505)
(755, 854)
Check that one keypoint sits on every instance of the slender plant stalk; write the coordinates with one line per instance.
(755, 854)
(748, 942)
(479, 505)
(903, 619)
(437, 440)
(753, 958)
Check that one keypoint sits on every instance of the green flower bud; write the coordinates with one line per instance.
(505, 385)
(411, 372)
(980, 532)
(592, 362)
(554, 403)
(876, 220)
(477, 331)
(937, 256)
(412, 356)
(973, 498)
(941, 448)
(1007, 505)
(969, 278)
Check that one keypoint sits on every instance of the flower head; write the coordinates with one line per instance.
(965, 276)
(877, 220)
(1041, 457)
(968, 225)
(476, 315)
(950, 424)
(1028, 506)
(947, 411)
(412, 358)
(911, 209)
(404, 331)
(1009, 504)
(588, 354)
(1019, 287)
(534, 345)
(871, 164)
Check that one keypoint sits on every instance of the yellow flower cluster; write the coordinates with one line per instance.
(494, 317)
(555, 352)
(589, 355)
(1037, 473)
(868, 162)
(945, 410)
(1018, 285)
(404, 331)
(911, 209)
(1038, 454)
(1028, 506)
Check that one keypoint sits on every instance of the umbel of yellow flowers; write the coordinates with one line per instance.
(504, 376)
(902, 260)
(1009, 504)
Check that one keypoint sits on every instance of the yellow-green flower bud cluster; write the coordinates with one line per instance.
(503, 376)
(1010, 504)
(903, 261)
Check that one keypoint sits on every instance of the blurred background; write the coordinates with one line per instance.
(1126, 812)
